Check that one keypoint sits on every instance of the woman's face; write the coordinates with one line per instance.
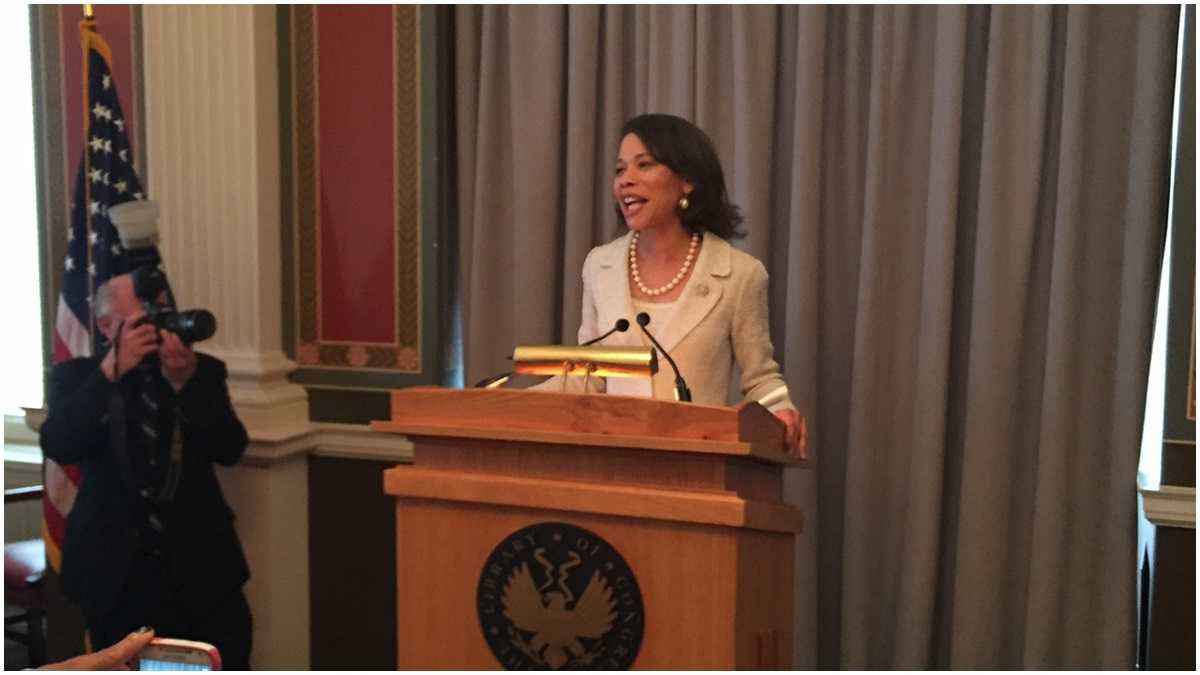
(647, 191)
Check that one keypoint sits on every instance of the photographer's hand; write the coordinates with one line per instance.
(129, 348)
(178, 360)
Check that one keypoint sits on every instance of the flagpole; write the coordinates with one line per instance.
(85, 28)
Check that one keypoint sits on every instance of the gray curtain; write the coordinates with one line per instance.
(962, 210)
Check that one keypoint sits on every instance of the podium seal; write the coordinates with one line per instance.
(554, 596)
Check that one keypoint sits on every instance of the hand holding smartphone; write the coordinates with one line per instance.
(173, 654)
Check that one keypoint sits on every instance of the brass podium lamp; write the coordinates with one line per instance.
(586, 361)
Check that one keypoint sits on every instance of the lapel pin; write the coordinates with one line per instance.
(702, 290)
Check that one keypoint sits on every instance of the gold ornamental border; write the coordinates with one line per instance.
(312, 350)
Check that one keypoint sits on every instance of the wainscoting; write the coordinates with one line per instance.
(352, 559)
(22, 468)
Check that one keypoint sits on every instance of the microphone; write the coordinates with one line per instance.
(621, 326)
(681, 389)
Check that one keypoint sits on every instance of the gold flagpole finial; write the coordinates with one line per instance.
(88, 13)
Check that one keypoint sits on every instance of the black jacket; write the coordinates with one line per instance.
(107, 526)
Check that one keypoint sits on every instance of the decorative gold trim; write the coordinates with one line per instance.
(397, 230)
(1178, 441)
(318, 223)
(294, 131)
(406, 173)
(351, 343)
(303, 197)
(342, 387)
(414, 271)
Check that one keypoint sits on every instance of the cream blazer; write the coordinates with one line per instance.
(720, 319)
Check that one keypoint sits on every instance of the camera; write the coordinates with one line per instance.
(137, 226)
(151, 287)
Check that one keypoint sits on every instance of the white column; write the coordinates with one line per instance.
(213, 165)
(213, 155)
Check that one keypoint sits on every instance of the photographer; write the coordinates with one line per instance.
(150, 539)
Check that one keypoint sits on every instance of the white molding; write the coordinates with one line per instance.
(18, 429)
(21, 474)
(1170, 506)
(262, 453)
(34, 418)
(23, 454)
(274, 409)
(324, 439)
(281, 421)
(248, 364)
(357, 441)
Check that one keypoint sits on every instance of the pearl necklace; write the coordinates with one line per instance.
(637, 279)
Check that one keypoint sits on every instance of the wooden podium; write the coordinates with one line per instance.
(689, 496)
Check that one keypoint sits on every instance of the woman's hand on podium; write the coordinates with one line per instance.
(797, 431)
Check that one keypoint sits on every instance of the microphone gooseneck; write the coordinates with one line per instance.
(620, 326)
(681, 389)
(494, 381)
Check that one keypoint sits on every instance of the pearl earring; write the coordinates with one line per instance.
(684, 203)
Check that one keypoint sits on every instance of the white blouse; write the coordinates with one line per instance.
(660, 315)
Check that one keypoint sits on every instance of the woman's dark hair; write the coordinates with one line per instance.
(686, 150)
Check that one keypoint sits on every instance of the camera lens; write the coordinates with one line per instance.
(194, 325)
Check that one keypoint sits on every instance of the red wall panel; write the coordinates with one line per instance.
(355, 132)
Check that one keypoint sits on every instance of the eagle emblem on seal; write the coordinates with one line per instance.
(555, 596)
(552, 613)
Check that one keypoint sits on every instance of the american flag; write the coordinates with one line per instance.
(106, 178)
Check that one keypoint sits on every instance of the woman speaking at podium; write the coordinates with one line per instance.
(706, 300)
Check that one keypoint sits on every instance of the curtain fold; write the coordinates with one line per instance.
(962, 210)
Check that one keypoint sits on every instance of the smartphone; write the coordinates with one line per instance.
(172, 654)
